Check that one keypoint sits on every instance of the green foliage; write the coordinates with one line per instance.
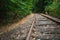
(48, 2)
(39, 6)
(13, 9)
(50, 6)
(53, 9)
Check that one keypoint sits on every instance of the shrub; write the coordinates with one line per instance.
(13, 9)
(53, 9)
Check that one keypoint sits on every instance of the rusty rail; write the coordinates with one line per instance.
(30, 31)
(52, 18)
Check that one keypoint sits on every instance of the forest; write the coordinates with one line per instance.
(12, 10)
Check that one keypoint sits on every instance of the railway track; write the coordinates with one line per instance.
(44, 29)
(36, 28)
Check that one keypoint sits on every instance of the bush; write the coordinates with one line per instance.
(39, 6)
(13, 9)
(53, 9)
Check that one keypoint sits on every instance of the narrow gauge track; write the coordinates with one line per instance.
(43, 28)
(36, 28)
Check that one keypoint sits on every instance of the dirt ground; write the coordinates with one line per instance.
(14, 25)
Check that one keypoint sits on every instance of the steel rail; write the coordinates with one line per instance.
(30, 31)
